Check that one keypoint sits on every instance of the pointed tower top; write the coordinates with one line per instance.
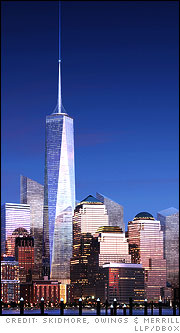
(59, 63)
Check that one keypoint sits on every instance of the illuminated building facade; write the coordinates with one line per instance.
(32, 193)
(24, 254)
(59, 192)
(49, 290)
(113, 245)
(114, 210)
(169, 219)
(89, 215)
(84, 268)
(10, 283)
(146, 247)
(120, 281)
(13, 216)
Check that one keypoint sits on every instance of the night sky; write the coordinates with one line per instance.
(119, 83)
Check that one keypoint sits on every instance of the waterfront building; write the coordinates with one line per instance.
(24, 254)
(146, 247)
(13, 216)
(84, 267)
(59, 191)
(32, 193)
(10, 283)
(49, 290)
(113, 245)
(114, 210)
(169, 219)
(120, 281)
(89, 215)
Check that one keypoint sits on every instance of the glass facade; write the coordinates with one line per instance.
(59, 196)
(114, 210)
(169, 219)
(13, 216)
(113, 245)
(146, 247)
(32, 193)
(121, 281)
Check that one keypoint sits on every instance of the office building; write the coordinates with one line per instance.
(59, 191)
(10, 283)
(114, 210)
(13, 216)
(113, 245)
(32, 193)
(146, 247)
(24, 254)
(120, 281)
(169, 219)
(89, 215)
(84, 268)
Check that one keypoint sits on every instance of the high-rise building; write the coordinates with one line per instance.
(10, 283)
(114, 210)
(146, 247)
(13, 216)
(84, 267)
(59, 191)
(32, 193)
(120, 281)
(169, 219)
(113, 245)
(89, 215)
(24, 254)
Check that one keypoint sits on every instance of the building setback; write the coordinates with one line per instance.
(114, 210)
(169, 219)
(32, 193)
(146, 247)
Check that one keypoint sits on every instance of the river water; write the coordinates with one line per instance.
(88, 312)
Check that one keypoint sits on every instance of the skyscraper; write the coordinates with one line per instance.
(32, 193)
(59, 191)
(169, 219)
(89, 215)
(13, 216)
(113, 245)
(146, 247)
(114, 210)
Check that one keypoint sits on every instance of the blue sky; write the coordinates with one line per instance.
(120, 65)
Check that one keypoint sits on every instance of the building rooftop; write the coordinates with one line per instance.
(128, 265)
(114, 229)
(91, 200)
(169, 211)
(143, 216)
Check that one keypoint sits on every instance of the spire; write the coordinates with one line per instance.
(59, 103)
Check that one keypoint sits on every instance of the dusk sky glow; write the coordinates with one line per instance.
(120, 66)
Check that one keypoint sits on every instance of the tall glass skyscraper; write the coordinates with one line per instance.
(169, 219)
(32, 193)
(59, 192)
(146, 247)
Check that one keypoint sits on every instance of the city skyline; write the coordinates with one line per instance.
(110, 155)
